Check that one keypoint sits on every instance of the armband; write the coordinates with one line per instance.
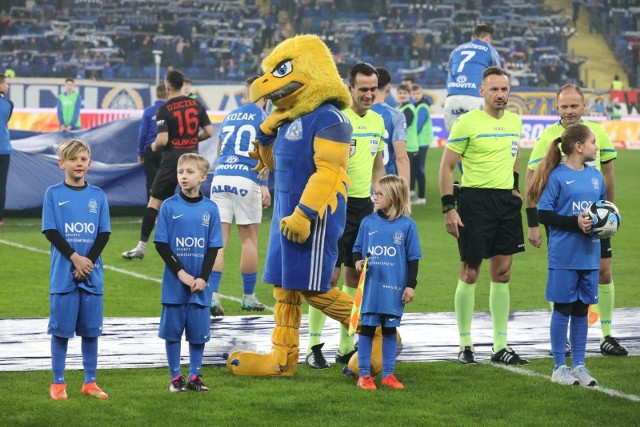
(448, 199)
(532, 217)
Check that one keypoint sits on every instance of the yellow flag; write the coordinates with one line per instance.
(357, 300)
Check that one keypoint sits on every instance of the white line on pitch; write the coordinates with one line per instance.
(118, 270)
(527, 372)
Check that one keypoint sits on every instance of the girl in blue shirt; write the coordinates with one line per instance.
(564, 191)
(390, 239)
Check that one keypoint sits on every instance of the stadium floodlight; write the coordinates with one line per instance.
(157, 56)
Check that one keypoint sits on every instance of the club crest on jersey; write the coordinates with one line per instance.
(596, 183)
(232, 159)
(397, 237)
(352, 147)
(206, 218)
(93, 206)
(294, 133)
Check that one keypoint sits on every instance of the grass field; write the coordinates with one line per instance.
(442, 393)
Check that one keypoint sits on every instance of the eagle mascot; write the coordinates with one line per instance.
(305, 143)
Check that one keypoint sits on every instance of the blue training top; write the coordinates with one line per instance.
(391, 244)
(189, 229)
(79, 216)
(570, 192)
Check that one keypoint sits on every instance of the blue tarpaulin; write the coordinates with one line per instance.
(114, 168)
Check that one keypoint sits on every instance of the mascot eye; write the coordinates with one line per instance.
(283, 68)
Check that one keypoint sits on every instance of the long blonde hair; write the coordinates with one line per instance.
(396, 190)
(564, 144)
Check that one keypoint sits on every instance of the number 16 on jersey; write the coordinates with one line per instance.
(357, 300)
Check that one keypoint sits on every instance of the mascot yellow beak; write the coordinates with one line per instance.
(282, 85)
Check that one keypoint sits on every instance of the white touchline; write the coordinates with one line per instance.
(117, 270)
(521, 371)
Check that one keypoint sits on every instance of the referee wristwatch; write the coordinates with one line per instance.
(447, 208)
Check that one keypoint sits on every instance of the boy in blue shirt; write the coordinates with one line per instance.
(188, 236)
(75, 219)
(390, 239)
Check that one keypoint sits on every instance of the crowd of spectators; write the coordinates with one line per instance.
(225, 40)
(619, 21)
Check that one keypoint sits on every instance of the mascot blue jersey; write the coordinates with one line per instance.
(395, 125)
(570, 192)
(239, 130)
(293, 154)
(189, 229)
(390, 245)
(466, 64)
(79, 216)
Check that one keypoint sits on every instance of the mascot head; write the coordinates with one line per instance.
(300, 75)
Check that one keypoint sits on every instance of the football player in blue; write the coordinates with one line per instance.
(390, 239)
(75, 219)
(240, 194)
(188, 236)
(564, 191)
(394, 156)
(465, 67)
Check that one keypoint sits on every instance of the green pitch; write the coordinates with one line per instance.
(443, 393)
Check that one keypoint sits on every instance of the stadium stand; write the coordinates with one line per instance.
(617, 21)
(225, 40)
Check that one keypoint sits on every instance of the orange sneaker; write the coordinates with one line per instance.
(92, 389)
(367, 383)
(392, 381)
(58, 392)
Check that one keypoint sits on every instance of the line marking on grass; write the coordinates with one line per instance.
(529, 373)
(118, 270)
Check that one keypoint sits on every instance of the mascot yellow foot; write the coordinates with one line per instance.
(282, 361)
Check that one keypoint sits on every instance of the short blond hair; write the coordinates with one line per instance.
(396, 190)
(68, 149)
(201, 162)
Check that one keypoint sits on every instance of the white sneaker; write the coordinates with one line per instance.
(135, 253)
(583, 375)
(419, 201)
(563, 376)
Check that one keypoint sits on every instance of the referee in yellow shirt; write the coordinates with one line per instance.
(486, 221)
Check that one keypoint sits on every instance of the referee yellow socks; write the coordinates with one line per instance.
(464, 303)
(606, 297)
(499, 300)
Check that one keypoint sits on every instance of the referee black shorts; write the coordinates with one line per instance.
(492, 223)
(357, 209)
(166, 180)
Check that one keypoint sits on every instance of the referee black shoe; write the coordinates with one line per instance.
(507, 356)
(611, 347)
(466, 356)
(315, 358)
(344, 358)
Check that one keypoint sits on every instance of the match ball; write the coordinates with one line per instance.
(606, 219)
